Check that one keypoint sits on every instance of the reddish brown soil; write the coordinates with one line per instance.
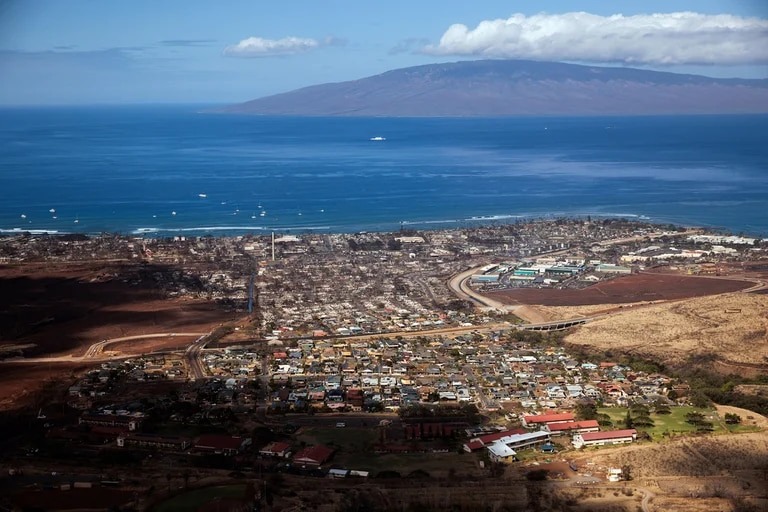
(62, 309)
(625, 289)
(149, 345)
(30, 385)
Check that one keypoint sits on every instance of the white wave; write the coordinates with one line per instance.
(31, 231)
(609, 214)
(139, 231)
(495, 217)
(445, 221)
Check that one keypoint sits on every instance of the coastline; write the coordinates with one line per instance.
(479, 222)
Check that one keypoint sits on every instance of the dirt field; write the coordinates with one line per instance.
(62, 309)
(21, 384)
(732, 327)
(643, 287)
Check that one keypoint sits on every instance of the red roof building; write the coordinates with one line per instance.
(543, 419)
(225, 445)
(276, 449)
(313, 456)
(478, 443)
(583, 426)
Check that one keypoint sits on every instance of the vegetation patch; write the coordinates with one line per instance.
(677, 422)
(193, 500)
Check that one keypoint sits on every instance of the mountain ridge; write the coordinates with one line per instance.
(517, 87)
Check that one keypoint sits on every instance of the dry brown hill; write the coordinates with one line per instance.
(731, 328)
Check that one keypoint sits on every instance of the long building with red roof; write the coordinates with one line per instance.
(542, 419)
(570, 427)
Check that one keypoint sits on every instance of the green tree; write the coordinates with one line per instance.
(694, 418)
(642, 421)
(586, 411)
(700, 400)
(628, 422)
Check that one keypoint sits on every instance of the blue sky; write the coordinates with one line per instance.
(138, 51)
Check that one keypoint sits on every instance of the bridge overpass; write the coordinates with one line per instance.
(556, 326)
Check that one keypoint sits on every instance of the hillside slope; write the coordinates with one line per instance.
(514, 87)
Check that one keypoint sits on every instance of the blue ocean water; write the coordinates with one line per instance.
(174, 170)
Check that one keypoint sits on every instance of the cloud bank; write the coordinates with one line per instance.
(187, 42)
(660, 39)
(260, 47)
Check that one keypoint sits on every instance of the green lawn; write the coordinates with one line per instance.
(436, 464)
(193, 500)
(354, 439)
(355, 450)
(673, 424)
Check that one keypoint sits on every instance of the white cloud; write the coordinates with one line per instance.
(260, 47)
(666, 39)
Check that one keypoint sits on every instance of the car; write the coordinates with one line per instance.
(341, 424)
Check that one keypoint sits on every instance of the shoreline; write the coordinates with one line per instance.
(480, 222)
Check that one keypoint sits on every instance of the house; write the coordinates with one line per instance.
(276, 449)
(570, 427)
(313, 456)
(604, 438)
(543, 419)
(222, 444)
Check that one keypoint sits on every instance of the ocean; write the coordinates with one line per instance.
(175, 170)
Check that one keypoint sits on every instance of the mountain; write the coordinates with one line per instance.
(517, 87)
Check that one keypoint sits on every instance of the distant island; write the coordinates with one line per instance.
(486, 88)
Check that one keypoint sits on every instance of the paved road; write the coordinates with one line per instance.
(97, 348)
(192, 356)
(95, 351)
(458, 284)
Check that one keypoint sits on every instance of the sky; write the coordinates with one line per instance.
(63, 52)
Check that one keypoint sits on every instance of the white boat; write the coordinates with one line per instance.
(202, 195)
(52, 210)
(23, 216)
(378, 138)
(263, 213)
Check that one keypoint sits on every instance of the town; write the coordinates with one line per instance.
(360, 356)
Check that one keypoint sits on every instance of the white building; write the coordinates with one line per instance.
(604, 438)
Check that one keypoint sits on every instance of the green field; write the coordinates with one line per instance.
(355, 450)
(436, 464)
(671, 424)
(357, 439)
(193, 500)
